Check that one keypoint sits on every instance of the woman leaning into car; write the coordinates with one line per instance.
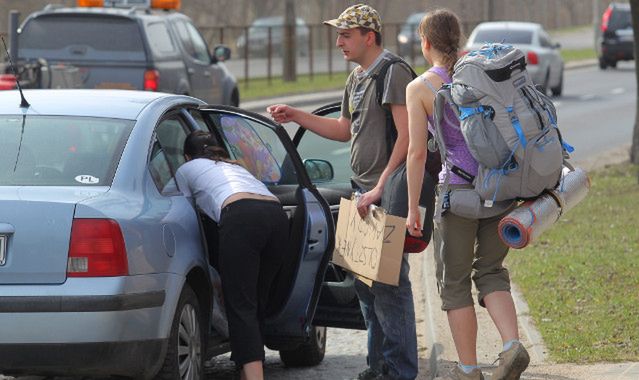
(253, 236)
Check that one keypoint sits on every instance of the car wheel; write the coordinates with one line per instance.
(184, 356)
(543, 88)
(235, 97)
(612, 64)
(308, 354)
(602, 63)
(556, 91)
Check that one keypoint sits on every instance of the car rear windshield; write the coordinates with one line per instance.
(60, 150)
(509, 36)
(620, 19)
(82, 37)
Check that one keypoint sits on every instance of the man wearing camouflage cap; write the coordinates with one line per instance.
(388, 310)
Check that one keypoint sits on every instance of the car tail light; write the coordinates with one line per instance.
(151, 80)
(8, 81)
(605, 19)
(96, 249)
(532, 58)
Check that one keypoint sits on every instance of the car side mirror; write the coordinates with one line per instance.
(221, 53)
(557, 45)
(319, 170)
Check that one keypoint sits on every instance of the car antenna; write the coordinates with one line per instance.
(23, 102)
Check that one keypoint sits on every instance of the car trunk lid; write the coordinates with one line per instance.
(35, 226)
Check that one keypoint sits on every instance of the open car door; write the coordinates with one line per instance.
(265, 149)
(338, 304)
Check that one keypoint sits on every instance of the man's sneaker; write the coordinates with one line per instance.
(368, 374)
(458, 374)
(512, 363)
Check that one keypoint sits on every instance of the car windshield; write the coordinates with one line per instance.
(509, 36)
(620, 19)
(60, 150)
(412, 22)
(82, 37)
(273, 22)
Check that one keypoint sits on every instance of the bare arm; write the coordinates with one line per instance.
(420, 105)
(398, 155)
(328, 127)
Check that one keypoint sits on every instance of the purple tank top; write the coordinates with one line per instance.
(457, 151)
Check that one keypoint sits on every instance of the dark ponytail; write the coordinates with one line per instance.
(200, 144)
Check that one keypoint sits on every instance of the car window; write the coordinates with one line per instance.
(508, 36)
(159, 39)
(82, 37)
(256, 147)
(313, 146)
(544, 40)
(171, 133)
(159, 168)
(620, 19)
(60, 150)
(193, 42)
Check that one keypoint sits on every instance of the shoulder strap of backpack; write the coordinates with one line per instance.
(380, 80)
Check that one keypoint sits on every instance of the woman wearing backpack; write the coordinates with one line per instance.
(463, 247)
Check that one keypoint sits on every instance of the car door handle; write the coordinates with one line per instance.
(207, 74)
(190, 71)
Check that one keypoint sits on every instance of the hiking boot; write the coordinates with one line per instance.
(368, 374)
(458, 374)
(511, 363)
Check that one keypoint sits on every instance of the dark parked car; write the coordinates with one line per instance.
(258, 39)
(615, 38)
(408, 37)
(107, 269)
(129, 47)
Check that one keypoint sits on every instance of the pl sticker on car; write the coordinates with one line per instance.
(87, 179)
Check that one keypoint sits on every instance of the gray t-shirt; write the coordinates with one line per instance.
(369, 153)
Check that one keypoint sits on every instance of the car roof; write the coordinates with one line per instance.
(120, 104)
(132, 13)
(518, 25)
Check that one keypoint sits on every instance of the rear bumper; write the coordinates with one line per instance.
(623, 51)
(139, 359)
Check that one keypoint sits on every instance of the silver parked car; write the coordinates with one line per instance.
(545, 65)
(106, 268)
(258, 37)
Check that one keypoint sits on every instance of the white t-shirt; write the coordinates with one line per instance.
(211, 182)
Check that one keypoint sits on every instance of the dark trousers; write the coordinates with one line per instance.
(253, 242)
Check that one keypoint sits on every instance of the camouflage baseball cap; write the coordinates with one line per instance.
(358, 16)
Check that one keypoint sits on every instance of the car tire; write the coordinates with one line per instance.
(543, 88)
(602, 63)
(612, 64)
(556, 91)
(308, 354)
(186, 336)
(235, 97)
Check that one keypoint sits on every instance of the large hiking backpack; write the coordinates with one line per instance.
(509, 126)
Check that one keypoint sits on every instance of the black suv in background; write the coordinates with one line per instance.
(129, 47)
(615, 40)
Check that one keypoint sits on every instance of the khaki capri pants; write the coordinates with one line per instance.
(464, 248)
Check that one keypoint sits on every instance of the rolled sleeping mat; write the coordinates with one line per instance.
(526, 222)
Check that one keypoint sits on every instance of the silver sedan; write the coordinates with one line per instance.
(545, 65)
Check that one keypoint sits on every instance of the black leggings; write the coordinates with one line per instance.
(253, 242)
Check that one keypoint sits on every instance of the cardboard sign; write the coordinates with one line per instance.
(371, 247)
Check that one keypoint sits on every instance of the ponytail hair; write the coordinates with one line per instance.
(200, 144)
(442, 28)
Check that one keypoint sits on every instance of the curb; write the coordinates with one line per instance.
(301, 100)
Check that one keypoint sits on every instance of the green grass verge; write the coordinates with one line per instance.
(581, 278)
(260, 87)
(578, 54)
